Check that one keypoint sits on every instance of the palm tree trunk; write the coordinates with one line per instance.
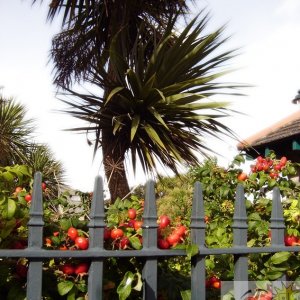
(113, 161)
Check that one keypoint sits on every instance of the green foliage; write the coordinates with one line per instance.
(122, 276)
(15, 132)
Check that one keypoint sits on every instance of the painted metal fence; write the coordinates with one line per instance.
(97, 254)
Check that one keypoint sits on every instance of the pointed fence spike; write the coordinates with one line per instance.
(97, 216)
(277, 221)
(150, 217)
(149, 273)
(198, 217)
(96, 235)
(240, 229)
(35, 240)
(198, 238)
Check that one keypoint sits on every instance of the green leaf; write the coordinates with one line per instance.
(10, 209)
(72, 294)
(135, 242)
(8, 176)
(228, 296)
(64, 287)
(255, 217)
(124, 288)
(139, 284)
(263, 284)
(134, 82)
(280, 257)
(134, 126)
(158, 116)
(191, 250)
(209, 264)
(113, 92)
(65, 224)
(154, 136)
(186, 295)
(273, 275)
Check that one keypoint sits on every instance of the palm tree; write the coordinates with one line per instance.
(41, 158)
(88, 27)
(15, 132)
(81, 50)
(16, 145)
(155, 82)
(158, 108)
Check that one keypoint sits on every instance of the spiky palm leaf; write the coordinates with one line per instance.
(15, 132)
(40, 158)
(159, 108)
(89, 25)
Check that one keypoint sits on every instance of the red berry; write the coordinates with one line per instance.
(68, 269)
(259, 159)
(124, 242)
(116, 233)
(173, 239)
(18, 245)
(131, 213)
(107, 233)
(131, 223)
(163, 244)
(164, 221)
(278, 167)
(215, 282)
(274, 175)
(283, 161)
(44, 186)
(18, 189)
(290, 240)
(242, 176)
(21, 270)
(180, 230)
(28, 198)
(137, 225)
(81, 268)
(72, 233)
(82, 242)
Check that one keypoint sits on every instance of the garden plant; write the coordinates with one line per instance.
(66, 228)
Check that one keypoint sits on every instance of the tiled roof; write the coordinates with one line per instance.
(288, 127)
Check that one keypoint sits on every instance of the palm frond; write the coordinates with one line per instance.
(162, 109)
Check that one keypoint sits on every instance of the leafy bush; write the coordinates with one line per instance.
(66, 228)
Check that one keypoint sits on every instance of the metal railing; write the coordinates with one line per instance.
(97, 254)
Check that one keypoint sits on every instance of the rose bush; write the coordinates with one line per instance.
(66, 228)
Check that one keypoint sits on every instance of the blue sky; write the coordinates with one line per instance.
(267, 33)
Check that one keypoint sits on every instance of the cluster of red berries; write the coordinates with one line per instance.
(168, 235)
(75, 269)
(119, 236)
(213, 282)
(27, 196)
(273, 167)
(268, 165)
(75, 240)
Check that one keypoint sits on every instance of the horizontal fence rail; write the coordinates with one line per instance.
(97, 254)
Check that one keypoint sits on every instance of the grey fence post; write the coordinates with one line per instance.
(149, 273)
(198, 238)
(277, 225)
(96, 234)
(240, 229)
(35, 240)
